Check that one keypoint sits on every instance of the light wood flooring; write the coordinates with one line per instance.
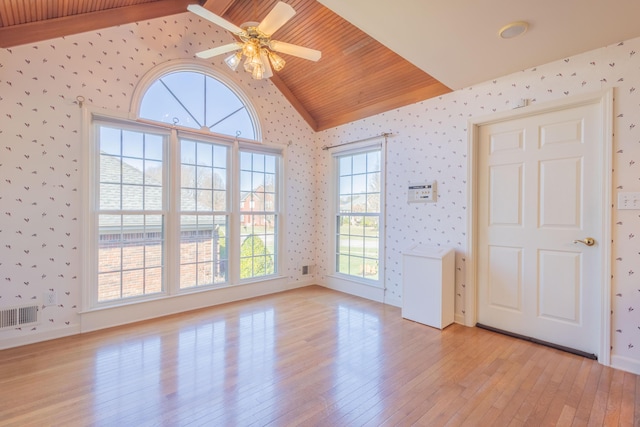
(310, 356)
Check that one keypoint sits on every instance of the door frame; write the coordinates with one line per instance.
(604, 99)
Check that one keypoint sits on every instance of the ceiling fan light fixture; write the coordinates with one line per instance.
(276, 61)
(255, 42)
(251, 48)
(252, 62)
(234, 60)
(257, 72)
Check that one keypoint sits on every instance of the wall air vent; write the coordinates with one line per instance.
(18, 316)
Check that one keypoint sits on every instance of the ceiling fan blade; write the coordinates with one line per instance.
(210, 53)
(212, 17)
(275, 19)
(295, 50)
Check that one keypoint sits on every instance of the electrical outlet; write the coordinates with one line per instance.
(305, 270)
(50, 298)
(628, 200)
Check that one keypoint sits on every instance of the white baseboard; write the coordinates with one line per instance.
(36, 337)
(625, 364)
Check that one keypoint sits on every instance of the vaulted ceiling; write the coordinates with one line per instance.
(376, 55)
(356, 77)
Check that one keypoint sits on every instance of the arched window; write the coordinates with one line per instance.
(195, 99)
(187, 202)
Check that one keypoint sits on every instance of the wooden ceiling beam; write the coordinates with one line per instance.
(59, 27)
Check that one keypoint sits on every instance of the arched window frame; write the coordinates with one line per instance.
(94, 117)
(189, 66)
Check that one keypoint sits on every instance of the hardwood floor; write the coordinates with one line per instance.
(310, 356)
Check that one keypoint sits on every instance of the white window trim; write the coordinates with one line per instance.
(171, 288)
(334, 274)
(189, 65)
(279, 209)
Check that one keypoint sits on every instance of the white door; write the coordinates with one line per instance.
(539, 190)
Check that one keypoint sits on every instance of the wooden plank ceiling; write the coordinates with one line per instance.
(356, 77)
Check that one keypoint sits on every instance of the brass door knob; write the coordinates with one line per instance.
(589, 241)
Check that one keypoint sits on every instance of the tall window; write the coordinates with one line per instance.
(204, 213)
(176, 210)
(358, 217)
(258, 202)
(131, 213)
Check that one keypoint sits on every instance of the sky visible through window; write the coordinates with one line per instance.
(196, 101)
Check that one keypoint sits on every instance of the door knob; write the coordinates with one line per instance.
(589, 241)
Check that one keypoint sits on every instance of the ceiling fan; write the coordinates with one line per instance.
(255, 42)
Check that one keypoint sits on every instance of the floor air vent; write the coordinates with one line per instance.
(18, 316)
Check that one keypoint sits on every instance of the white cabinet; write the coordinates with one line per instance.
(428, 291)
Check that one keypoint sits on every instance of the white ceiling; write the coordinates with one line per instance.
(457, 42)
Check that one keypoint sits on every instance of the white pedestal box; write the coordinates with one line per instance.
(428, 291)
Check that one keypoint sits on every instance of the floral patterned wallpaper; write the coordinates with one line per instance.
(41, 151)
(41, 147)
(429, 142)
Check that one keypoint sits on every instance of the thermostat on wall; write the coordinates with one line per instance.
(424, 192)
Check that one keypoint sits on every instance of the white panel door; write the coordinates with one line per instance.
(538, 192)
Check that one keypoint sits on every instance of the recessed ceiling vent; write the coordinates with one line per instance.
(18, 316)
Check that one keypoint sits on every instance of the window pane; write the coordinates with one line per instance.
(110, 169)
(220, 156)
(359, 184)
(198, 182)
(245, 181)
(132, 144)
(187, 152)
(130, 255)
(359, 163)
(373, 161)
(153, 147)
(357, 234)
(128, 180)
(132, 197)
(110, 196)
(197, 101)
(219, 179)
(219, 201)
(345, 165)
(258, 232)
(203, 250)
(188, 176)
(132, 171)
(258, 162)
(373, 182)
(130, 246)
(110, 142)
(204, 154)
(371, 269)
(373, 203)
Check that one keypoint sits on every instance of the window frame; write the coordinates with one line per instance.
(180, 65)
(277, 210)
(93, 117)
(338, 153)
